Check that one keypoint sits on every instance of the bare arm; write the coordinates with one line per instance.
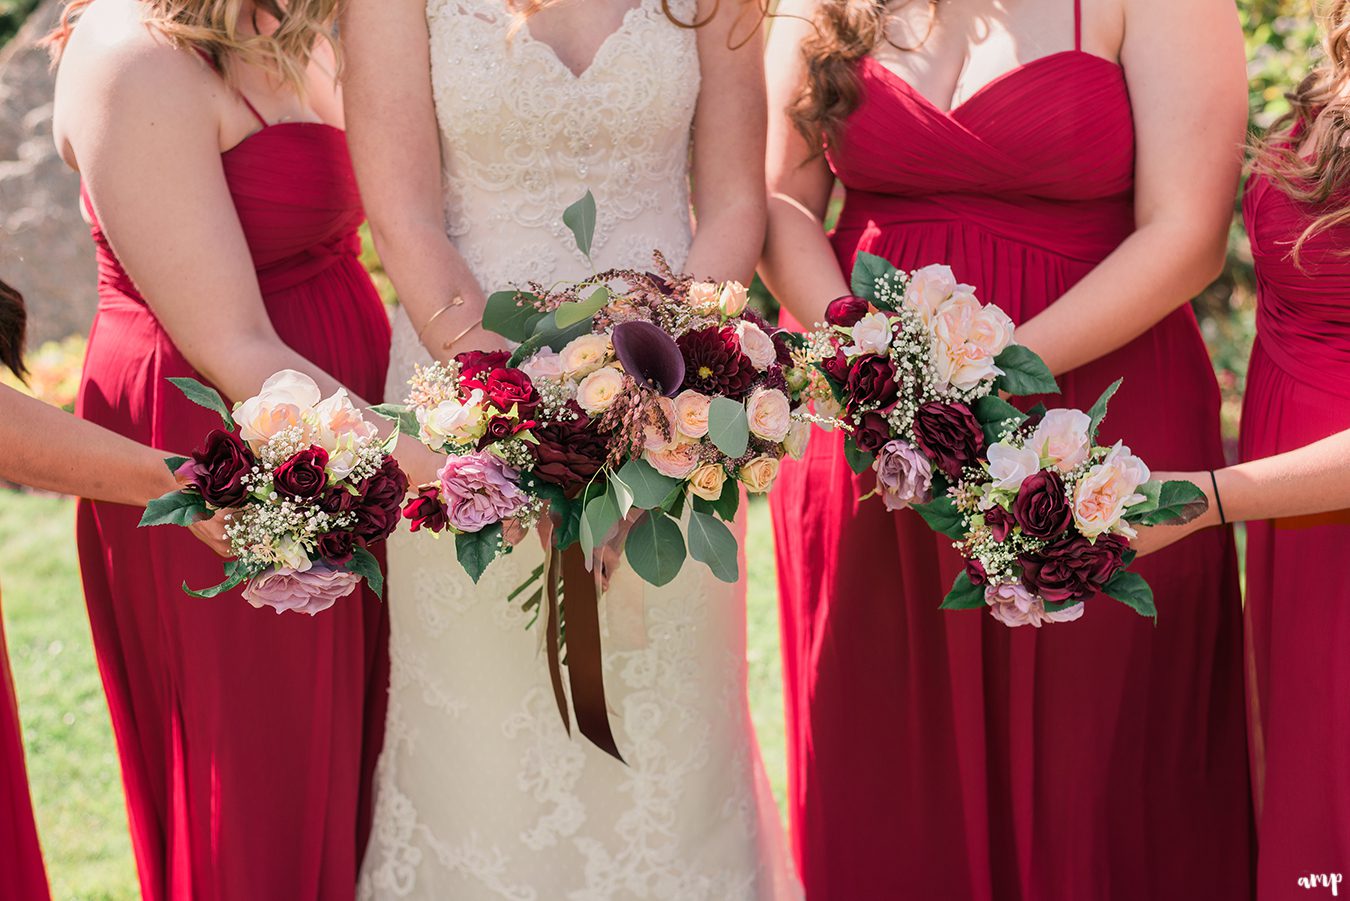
(728, 156)
(388, 93)
(1185, 67)
(1304, 482)
(798, 265)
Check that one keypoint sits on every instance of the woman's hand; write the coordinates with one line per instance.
(419, 463)
(211, 532)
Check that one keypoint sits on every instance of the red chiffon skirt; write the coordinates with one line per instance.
(22, 877)
(944, 756)
(247, 739)
(1298, 609)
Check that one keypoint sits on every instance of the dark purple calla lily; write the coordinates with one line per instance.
(650, 356)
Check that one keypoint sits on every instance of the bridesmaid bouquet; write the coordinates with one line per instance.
(1045, 520)
(309, 487)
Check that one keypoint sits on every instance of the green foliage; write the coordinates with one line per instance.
(12, 15)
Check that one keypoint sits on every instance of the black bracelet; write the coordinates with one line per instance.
(1218, 502)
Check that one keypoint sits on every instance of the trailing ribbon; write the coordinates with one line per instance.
(585, 671)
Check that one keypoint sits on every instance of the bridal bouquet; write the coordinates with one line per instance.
(309, 487)
(1044, 521)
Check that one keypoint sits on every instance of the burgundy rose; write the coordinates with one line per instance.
(1041, 507)
(871, 384)
(508, 388)
(714, 363)
(570, 452)
(302, 477)
(836, 367)
(950, 435)
(871, 433)
(1000, 522)
(473, 363)
(336, 547)
(975, 572)
(499, 428)
(338, 500)
(1073, 569)
(846, 311)
(386, 488)
(426, 511)
(375, 524)
(217, 470)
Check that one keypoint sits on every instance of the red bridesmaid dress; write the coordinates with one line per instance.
(247, 739)
(943, 755)
(21, 875)
(1298, 602)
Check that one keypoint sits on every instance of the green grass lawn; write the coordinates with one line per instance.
(72, 764)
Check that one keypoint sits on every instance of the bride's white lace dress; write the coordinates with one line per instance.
(480, 793)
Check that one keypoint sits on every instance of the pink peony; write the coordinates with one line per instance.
(904, 475)
(1012, 605)
(479, 490)
(310, 591)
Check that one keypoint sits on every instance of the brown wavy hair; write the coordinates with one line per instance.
(845, 32)
(13, 323)
(215, 28)
(1319, 111)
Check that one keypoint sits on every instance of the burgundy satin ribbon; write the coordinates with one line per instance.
(585, 670)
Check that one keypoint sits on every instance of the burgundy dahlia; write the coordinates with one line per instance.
(950, 435)
(1073, 569)
(1041, 507)
(714, 363)
(217, 470)
(570, 452)
(302, 477)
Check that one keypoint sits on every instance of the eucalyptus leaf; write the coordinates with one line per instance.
(647, 488)
(601, 515)
(512, 314)
(364, 564)
(206, 397)
(580, 218)
(965, 595)
(570, 314)
(712, 543)
(1024, 372)
(655, 548)
(728, 426)
(725, 506)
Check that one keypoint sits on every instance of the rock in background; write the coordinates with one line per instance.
(45, 249)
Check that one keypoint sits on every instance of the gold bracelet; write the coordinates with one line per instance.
(456, 301)
(460, 337)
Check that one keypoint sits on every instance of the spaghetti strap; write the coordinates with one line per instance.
(1078, 24)
(206, 58)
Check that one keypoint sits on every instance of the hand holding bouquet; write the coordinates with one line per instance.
(309, 487)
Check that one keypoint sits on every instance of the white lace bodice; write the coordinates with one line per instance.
(480, 793)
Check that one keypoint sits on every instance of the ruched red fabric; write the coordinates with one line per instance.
(943, 755)
(247, 739)
(1298, 604)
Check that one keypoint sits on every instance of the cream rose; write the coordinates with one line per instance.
(1009, 466)
(798, 437)
(691, 413)
(928, 289)
(585, 355)
(871, 335)
(756, 345)
(959, 361)
(598, 391)
(770, 414)
(453, 421)
(677, 460)
(1062, 438)
(338, 418)
(759, 474)
(707, 481)
(733, 298)
(1102, 496)
(284, 401)
(992, 331)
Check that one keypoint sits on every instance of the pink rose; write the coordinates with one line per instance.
(677, 460)
(691, 413)
(479, 490)
(1102, 496)
(546, 364)
(310, 591)
(904, 475)
(770, 414)
(966, 338)
(1012, 605)
(1062, 438)
(756, 345)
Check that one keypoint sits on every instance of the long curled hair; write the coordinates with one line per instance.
(1318, 174)
(13, 322)
(217, 29)
(845, 32)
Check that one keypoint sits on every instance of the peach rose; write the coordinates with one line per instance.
(1102, 496)
(707, 481)
(283, 402)
(928, 289)
(598, 391)
(733, 299)
(1062, 438)
(756, 345)
(770, 414)
(704, 296)
(338, 418)
(677, 460)
(585, 355)
(960, 360)
(659, 430)
(759, 474)
(691, 413)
